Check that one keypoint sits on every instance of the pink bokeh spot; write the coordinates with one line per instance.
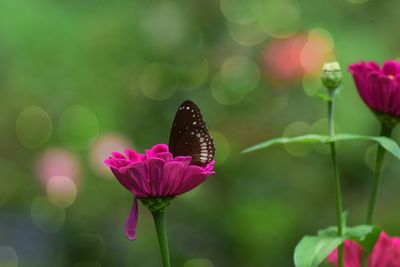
(157, 173)
(104, 146)
(288, 60)
(282, 58)
(61, 190)
(58, 162)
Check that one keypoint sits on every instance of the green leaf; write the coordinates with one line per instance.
(312, 250)
(387, 143)
(365, 235)
(324, 97)
(330, 231)
(304, 139)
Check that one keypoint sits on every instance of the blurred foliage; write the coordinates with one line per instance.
(81, 78)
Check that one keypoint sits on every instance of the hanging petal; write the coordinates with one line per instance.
(131, 222)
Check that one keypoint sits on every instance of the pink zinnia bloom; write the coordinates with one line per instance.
(379, 87)
(155, 174)
(386, 253)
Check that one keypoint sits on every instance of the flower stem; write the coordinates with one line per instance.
(158, 217)
(380, 156)
(338, 194)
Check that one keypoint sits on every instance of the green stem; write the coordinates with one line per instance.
(158, 217)
(338, 193)
(380, 156)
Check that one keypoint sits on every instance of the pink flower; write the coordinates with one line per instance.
(386, 253)
(352, 255)
(379, 87)
(157, 174)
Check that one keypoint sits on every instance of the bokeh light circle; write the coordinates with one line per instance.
(33, 127)
(370, 158)
(223, 94)
(78, 127)
(58, 162)
(164, 24)
(193, 74)
(61, 191)
(247, 34)
(279, 18)
(159, 81)
(240, 73)
(102, 148)
(321, 127)
(198, 263)
(8, 257)
(238, 76)
(46, 216)
(222, 147)
(296, 129)
(238, 11)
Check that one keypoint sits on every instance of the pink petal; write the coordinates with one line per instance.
(164, 155)
(379, 253)
(352, 255)
(192, 177)
(194, 181)
(173, 174)
(184, 159)
(138, 175)
(387, 87)
(155, 174)
(117, 155)
(132, 155)
(372, 66)
(131, 222)
(160, 148)
(116, 162)
(210, 166)
(377, 86)
(390, 67)
(123, 179)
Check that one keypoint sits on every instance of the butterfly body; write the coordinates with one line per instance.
(189, 135)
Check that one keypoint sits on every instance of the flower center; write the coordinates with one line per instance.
(391, 77)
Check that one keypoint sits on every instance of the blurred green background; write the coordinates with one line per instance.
(79, 79)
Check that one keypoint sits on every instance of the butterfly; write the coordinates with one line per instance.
(189, 135)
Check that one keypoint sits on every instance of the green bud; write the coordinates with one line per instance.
(332, 75)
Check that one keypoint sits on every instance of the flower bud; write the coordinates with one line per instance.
(332, 75)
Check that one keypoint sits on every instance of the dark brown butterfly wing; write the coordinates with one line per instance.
(189, 135)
